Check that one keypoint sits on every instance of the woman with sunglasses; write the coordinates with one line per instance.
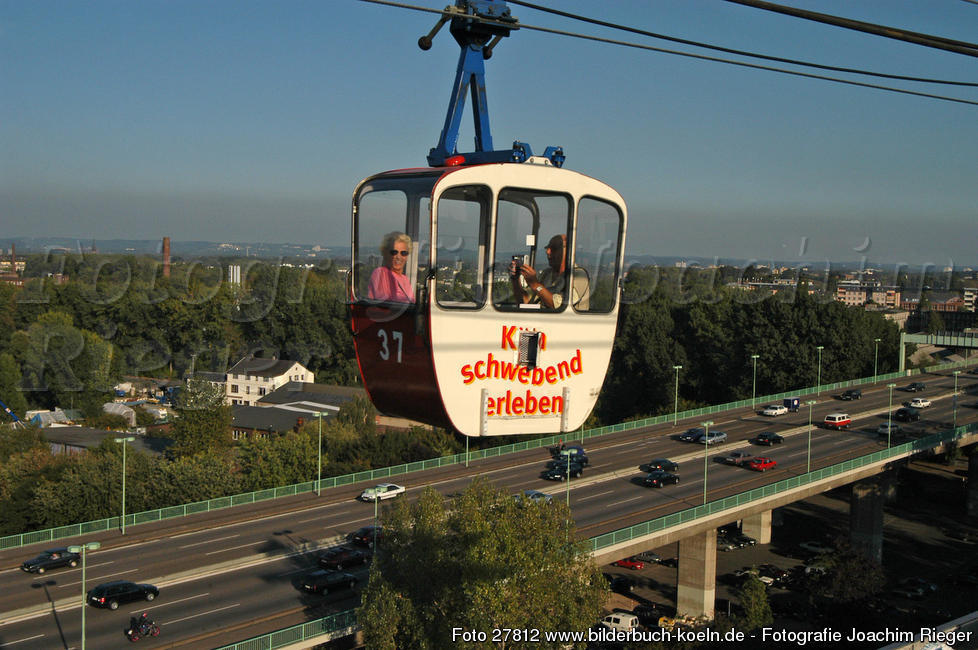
(390, 283)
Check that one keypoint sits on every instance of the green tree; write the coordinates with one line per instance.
(757, 609)
(481, 561)
(203, 422)
(10, 393)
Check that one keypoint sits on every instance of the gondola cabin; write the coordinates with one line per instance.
(485, 297)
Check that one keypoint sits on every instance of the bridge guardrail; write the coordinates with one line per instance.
(247, 498)
(269, 641)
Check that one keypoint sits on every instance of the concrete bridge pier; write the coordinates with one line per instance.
(696, 592)
(758, 526)
(866, 515)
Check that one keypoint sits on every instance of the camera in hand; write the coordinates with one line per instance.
(517, 264)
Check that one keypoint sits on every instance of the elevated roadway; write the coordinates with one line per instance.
(239, 576)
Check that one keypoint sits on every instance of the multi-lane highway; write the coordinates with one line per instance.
(240, 577)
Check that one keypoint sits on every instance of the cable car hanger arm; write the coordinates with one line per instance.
(478, 26)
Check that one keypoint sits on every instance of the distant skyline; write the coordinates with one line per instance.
(253, 121)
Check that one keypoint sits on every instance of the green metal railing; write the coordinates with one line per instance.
(297, 633)
(220, 503)
(343, 620)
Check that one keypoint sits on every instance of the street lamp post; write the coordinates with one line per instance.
(319, 452)
(889, 416)
(753, 393)
(675, 418)
(810, 403)
(87, 546)
(954, 408)
(706, 452)
(125, 444)
(818, 377)
(876, 356)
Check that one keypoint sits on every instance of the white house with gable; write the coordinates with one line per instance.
(251, 379)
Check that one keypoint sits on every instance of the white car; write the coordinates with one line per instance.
(381, 492)
(774, 409)
(919, 402)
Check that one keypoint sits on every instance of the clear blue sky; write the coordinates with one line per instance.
(253, 121)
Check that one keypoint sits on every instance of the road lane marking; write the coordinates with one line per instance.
(187, 618)
(171, 602)
(30, 638)
(233, 548)
(95, 580)
(594, 496)
(219, 539)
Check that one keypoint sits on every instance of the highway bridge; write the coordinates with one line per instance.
(231, 574)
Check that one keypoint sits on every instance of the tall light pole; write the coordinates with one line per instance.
(319, 415)
(675, 417)
(753, 393)
(706, 452)
(954, 408)
(889, 416)
(125, 443)
(876, 356)
(87, 546)
(810, 403)
(818, 377)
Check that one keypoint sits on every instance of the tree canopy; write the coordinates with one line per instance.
(480, 561)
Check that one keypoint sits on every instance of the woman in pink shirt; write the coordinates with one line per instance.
(389, 283)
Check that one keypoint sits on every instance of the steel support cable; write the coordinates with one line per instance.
(927, 40)
(728, 50)
(701, 57)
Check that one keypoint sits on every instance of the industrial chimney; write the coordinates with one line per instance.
(166, 257)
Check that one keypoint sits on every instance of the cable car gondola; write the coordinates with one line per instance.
(485, 287)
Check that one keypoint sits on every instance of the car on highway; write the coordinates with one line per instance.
(762, 463)
(343, 556)
(649, 556)
(906, 415)
(576, 452)
(663, 464)
(365, 536)
(742, 540)
(51, 559)
(737, 458)
(382, 491)
(560, 472)
(768, 438)
(620, 584)
(692, 435)
(534, 496)
(725, 544)
(111, 594)
(712, 438)
(324, 582)
(851, 394)
(919, 403)
(888, 429)
(817, 548)
(837, 421)
(632, 563)
(777, 575)
(658, 478)
(773, 410)
(915, 387)
(913, 582)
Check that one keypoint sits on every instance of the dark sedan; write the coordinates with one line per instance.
(663, 464)
(324, 582)
(341, 556)
(52, 559)
(559, 472)
(768, 438)
(111, 594)
(659, 478)
(365, 536)
(907, 414)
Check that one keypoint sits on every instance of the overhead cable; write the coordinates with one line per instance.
(691, 55)
(728, 50)
(927, 40)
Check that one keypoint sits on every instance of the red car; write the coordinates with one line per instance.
(762, 463)
(630, 563)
